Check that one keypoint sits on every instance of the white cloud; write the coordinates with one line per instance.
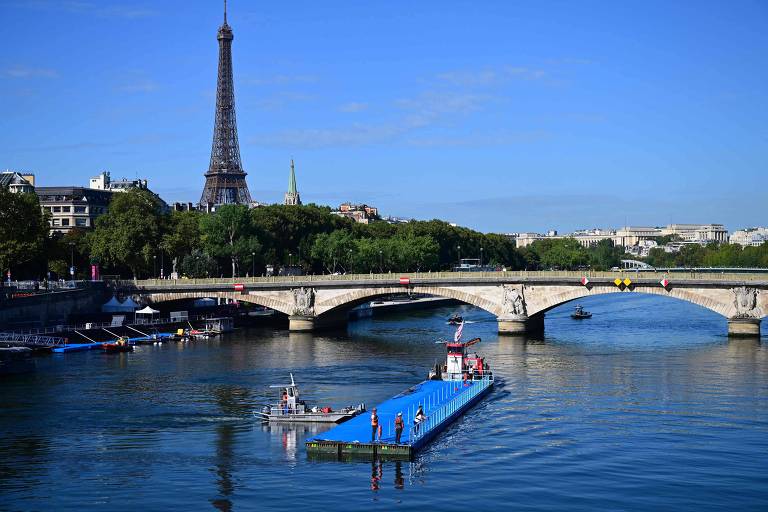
(30, 72)
(141, 86)
(353, 106)
(485, 77)
(101, 9)
(281, 80)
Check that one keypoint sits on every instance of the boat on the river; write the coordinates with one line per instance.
(455, 319)
(580, 314)
(426, 410)
(119, 345)
(290, 408)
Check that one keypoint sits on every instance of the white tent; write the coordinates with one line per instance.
(115, 306)
(147, 311)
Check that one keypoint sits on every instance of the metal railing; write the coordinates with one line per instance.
(439, 414)
(101, 325)
(30, 340)
(460, 276)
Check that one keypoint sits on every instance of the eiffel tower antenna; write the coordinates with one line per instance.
(225, 179)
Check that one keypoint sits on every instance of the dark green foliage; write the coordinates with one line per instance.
(229, 233)
(129, 234)
(23, 232)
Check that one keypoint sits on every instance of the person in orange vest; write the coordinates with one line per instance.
(399, 424)
(374, 425)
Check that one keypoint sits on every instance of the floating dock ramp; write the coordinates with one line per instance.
(442, 401)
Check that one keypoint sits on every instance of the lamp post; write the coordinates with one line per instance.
(459, 248)
(253, 264)
(481, 258)
(154, 266)
(380, 261)
(72, 260)
(349, 261)
(162, 265)
(290, 259)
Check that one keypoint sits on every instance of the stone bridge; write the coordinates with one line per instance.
(519, 300)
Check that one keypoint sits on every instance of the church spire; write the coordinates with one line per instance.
(292, 196)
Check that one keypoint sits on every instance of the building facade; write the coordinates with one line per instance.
(361, 213)
(73, 207)
(697, 232)
(17, 182)
(749, 237)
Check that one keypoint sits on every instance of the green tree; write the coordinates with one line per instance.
(604, 255)
(229, 233)
(560, 253)
(23, 229)
(197, 264)
(182, 235)
(129, 234)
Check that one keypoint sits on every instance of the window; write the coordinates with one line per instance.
(55, 222)
(79, 209)
(56, 209)
(81, 223)
(65, 222)
(65, 209)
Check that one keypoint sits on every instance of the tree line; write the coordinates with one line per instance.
(138, 238)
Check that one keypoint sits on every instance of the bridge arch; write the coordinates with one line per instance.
(344, 302)
(258, 299)
(721, 304)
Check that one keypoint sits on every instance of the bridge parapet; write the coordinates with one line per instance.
(518, 299)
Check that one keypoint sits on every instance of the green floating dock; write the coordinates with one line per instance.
(443, 402)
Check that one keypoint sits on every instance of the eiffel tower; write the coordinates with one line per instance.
(225, 179)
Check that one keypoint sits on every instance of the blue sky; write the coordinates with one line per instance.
(501, 116)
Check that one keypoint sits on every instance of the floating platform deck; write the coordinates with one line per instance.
(80, 347)
(443, 402)
(77, 347)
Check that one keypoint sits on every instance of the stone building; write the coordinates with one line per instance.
(361, 213)
(73, 207)
(17, 182)
(749, 237)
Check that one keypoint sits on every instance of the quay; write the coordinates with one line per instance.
(443, 402)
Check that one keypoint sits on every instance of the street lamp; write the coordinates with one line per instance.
(380, 262)
(290, 259)
(72, 260)
(154, 266)
(253, 264)
(459, 248)
(481, 257)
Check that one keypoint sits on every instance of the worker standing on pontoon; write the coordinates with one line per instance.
(399, 424)
(374, 425)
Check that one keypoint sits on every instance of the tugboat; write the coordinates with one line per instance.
(459, 365)
(290, 408)
(455, 319)
(580, 314)
(119, 345)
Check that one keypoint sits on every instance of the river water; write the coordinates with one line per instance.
(646, 406)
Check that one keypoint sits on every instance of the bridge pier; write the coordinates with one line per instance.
(521, 324)
(743, 327)
(298, 323)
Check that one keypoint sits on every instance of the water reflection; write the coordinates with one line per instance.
(225, 454)
(631, 407)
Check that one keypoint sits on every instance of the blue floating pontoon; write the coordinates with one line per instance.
(77, 347)
(442, 401)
